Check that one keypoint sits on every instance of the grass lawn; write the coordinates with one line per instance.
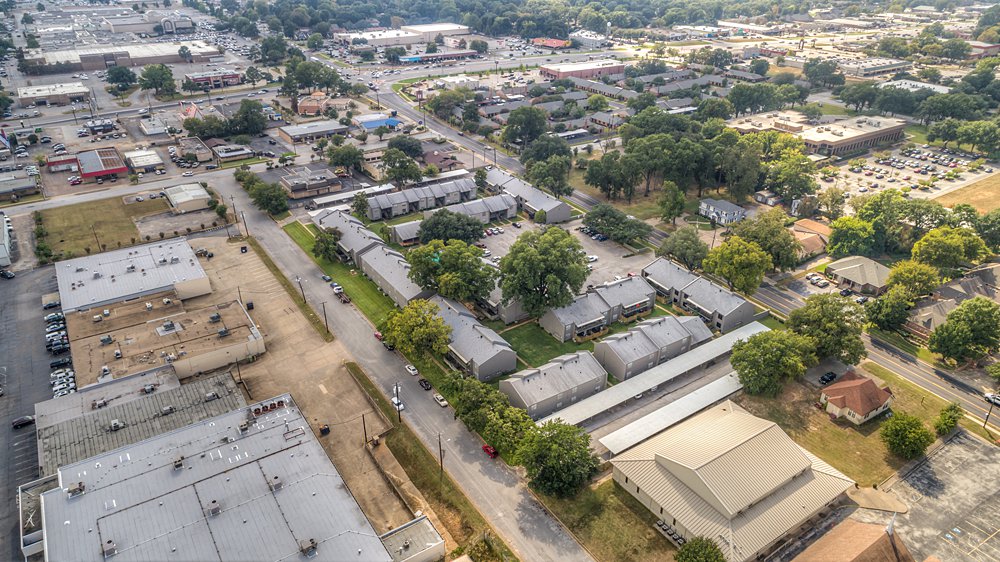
(612, 524)
(858, 452)
(454, 510)
(641, 207)
(282, 216)
(536, 346)
(362, 291)
(917, 133)
(909, 346)
(773, 323)
(834, 109)
(238, 163)
(71, 228)
(984, 195)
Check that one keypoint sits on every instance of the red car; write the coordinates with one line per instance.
(490, 451)
(378, 336)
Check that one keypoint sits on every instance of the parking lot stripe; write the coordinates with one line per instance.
(322, 389)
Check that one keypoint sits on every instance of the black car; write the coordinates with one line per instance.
(845, 292)
(7, 274)
(828, 378)
(51, 305)
(63, 362)
(388, 345)
(59, 349)
(424, 384)
(22, 421)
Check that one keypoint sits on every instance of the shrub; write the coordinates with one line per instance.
(948, 418)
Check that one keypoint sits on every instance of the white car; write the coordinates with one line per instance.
(992, 398)
(187, 174)
(591, 259)
(398, 404)
(440, 400)
(412, 370)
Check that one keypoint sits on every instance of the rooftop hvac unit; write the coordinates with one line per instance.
(168, 325)
(308, 547)
(149, 389)
(211, 396)
(215, 318)
(244, 426)
(116, 425)
(107, 339)
(149, 306)
(130, 268)
(118, 354)
(96, 404)
(179, 463)
(275, 483)
(166, 410)
(175, 259)
(223, 332)
(97, 275)
(167, 301)
(214, 508)
(109, 549)
(76, 489)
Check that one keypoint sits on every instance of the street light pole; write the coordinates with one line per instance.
(301, 290)
(399, 411)
(325, 321)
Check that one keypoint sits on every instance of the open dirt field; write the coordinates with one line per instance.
(300, 362)
(984, 195)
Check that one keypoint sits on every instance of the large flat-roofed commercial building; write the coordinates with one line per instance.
(188, 197)
(868, 67)
(129, 273)
(308, 132)
(13, 187)
(382, 38)
(143, 160)
(429, 32)
(101, 163)
(845, 136)
(586, 69)
(53, 94)
(217, 78)
(105, 56)
(160, 330)
(251, 484)
(734, 478)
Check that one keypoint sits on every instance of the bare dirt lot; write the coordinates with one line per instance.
(300, 362)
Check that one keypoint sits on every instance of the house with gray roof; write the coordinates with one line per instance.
(494, 307)
(744, 76)
(650, 343)
(859, 274)
(722, 212)
(485, 210)
(355, 238)
(719, 307)
(933, 310)
(415, 199)
(556, 384)
(475, 349)
(528, 197)
(390, 271)
(405, 234)
(616, 92)
(590, 313)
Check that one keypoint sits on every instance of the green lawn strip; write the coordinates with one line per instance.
(536, 347)
(916, 401)
(238, 163)
(773, 323)
(281, 216)
(611, 524)
(916, 133)
(293, 292)
(363, 292)
(23, 200)
(911, 347)
(453, 508)
(71, 229)
(641, 207)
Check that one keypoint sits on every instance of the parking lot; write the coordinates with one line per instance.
(907, 169)
(24, 370)
(954, 507)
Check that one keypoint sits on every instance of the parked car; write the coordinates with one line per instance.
(63, 362)
(440, 400)
(22, 421)
(490, 451)
(51, 304)
(992, 398)
(412, 370)
(397, 403)
(828, 378)
(424, 384)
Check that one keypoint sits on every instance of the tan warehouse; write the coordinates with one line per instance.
(53, 94)
(106, 56)
(845, 136)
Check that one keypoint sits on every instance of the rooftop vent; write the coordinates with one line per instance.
(97, 275)
(244, 426)
(149, 389)
(109, 549)
(166, 410)
(308, 547)
(116, 425)
(97, 404)
(223, 332)
(179, 463)
(215, 318)
(214, 508)
(149, 306)
(275, 483)
(211, 396)
(76, 489)
(107, 340)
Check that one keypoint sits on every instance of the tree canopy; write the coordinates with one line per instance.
(417, 328)
(768, 231)
(453, 269)
(741, 263)
(557, 458)
(447, 225)
(615, 224)
(834, 323)
(685, 246)
(906, 436)
(544, 269)
(766, 360)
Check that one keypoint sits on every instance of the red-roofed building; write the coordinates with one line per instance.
(549, 43)
(856, 398)
(100, 163)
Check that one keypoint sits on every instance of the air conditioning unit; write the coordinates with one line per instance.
(116, 425)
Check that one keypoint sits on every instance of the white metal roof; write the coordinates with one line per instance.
(665, 372)
(185, 193)
(53, 90)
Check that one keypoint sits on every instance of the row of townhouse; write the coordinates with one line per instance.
(590, 314)
(719, 307)
(406, 201)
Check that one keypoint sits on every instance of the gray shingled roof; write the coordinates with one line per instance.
(584, 309)
(860, 270)
(655, 333)
(394, 269)
(354, 235)
(561, 374)
(407, 230)
(470, 339)
(534, 197)
(699, 290)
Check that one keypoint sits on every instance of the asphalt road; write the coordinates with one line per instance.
(491, 485)
(24, 369)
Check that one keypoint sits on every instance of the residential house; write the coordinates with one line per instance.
(405, 234)
(606, 90)
(317, 103)
(590, 313)
(932, 311)
(485, 210)
(812, 236)
(444, 161)
(475, 349)
(494, 307)
(859, 274)
(650, 343)
(722, 309)
(856, 398)
(767, 197)
(722, 212)
(556, 384)
(390, 271)
(415, 199)
(355, 238)
(734, 478)
(529, 198)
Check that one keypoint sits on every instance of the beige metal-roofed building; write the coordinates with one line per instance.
(731, 477)
(428, 32)
(53, 94)
(188, 197)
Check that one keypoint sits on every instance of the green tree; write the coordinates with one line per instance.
(768, 231)
(917, 278)
(831, 201)
(947, 248)
(506, 428)
(850, 236)
(325, 246)
(453, 269)
(400, 168)
(269, 197)
(700, 549)
(544, 269)
(597, 102)
(891, 310)
(249, 119)
(480, 179)
(417, 328)
(479, 46)
(121, 76)
(615, 224)
(431, 48)
(315, 41)
(557, 458)
(971, 331)
(905, 436)
(543, 148)
(948, 419)
(407, 145)
(348, 156)
(685, 246)
(671, 202)
(159, 78)
(792, 175)
(251, 75)
(359, 205)
(551, 174)
(766, 360)
(476, 400)
(834, 323)
(381, 131)
(740, 263)
(447, 225)
(185, 53)
(524, 125)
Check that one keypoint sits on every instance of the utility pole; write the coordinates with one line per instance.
(440, 460)
(399, 411)
(98, 240)
(325, 321)
(303, 291)
(245, 225)
(987, 420)
(364, 428)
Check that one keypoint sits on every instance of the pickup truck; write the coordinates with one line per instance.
(344, 298)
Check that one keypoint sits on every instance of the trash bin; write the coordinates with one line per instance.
(324, 429)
